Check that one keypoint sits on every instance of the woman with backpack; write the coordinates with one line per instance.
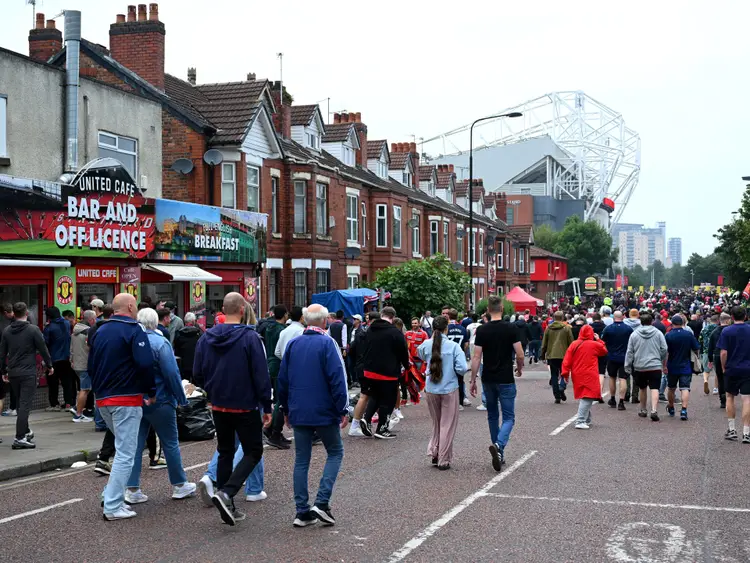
(581, 361)
(446, 363)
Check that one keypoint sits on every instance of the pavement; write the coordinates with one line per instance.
(60, 443)
(627, 490)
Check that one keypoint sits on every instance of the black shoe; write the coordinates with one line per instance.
(642, 414)
(662, 398)
(563, 398)
(557, 400)
(722, 405)
(384, 434)
(276, 442)
(324, 514)
(654, 416)
(635, 400)
(683, 414)
(445, 467)
(612, 402)
(601, 401)
(286, 440)
(366, 428)
(730, 435)
(627, 396)
(23, 444)
(497, 460)
(224, 503)
(305, 519)
(102, 467)
(434, 461)
(621, 405)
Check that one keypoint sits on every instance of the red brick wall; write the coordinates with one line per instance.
(182, 141)
(139, 45)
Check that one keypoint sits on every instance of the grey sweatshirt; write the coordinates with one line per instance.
(18, 348)
(633, 323)
(647, 350)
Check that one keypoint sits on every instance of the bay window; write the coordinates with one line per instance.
(381, 225)
(300, 206)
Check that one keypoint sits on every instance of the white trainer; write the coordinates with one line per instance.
(121, 513)
(582, 426)
(183, 491)
(481, 407)
(255, 498)
(206, 487)
(399, 414)
(356, 431)
(467, 402)
(135, 497)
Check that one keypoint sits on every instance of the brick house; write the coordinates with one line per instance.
(546, 270)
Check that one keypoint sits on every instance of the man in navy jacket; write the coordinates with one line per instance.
(680, 343)
(314, 397)
(231, 360)
(616, 337)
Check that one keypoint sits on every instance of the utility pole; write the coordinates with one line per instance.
(281, 78)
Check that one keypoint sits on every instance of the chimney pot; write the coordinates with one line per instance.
(120, 18)
(192, 75)
(131, 13)
(251, 76)
(450, 168)
(50, 24)
(413, 147)
(153, 12)
(358, 115)
(40, 21)
(142, 13)
(394, 147)
(336, 118)
(351, 117)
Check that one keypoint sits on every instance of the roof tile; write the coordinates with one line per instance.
(337, 132)
(375, 149)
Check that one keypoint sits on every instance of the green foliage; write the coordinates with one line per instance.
(481, 307)
(586, 245)
(546, 237)
(423, 285)
(508, 308)
(734, 246)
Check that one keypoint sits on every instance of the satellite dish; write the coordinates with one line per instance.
(213, 157)
(413, 223)
(352, 252)
(182, 165)
(491, 251)
(457, 265)
(460, 233)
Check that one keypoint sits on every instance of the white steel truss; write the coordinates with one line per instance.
(603, 156)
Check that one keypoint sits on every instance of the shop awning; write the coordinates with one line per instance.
(180, 272)
(35, 263)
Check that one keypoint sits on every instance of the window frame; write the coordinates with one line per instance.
(381, 228)
(515, 260)
(398, 227)
(116, 149)
(521, 260)
(302, 183)
(352, 222)
(300, 273)
(321, 217)
(363, 214)
(502, 255)
(352, 281)
(406, 178)
(473, 247)
(481, 249)
(446, 233)
(4, 126)
(255, 187)
(460, 246)
(274, 287)
(275, 204)
(313, 141)
(225, 182)
(532, 266)
(415, 234)
(324, 287)
(434, 237)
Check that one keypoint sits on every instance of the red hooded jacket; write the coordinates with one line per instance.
(582, 361)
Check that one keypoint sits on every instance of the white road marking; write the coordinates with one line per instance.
(624, 503)
(563, 426)
(196, 466)
(640, 541)
(433, 528)
(39, 510)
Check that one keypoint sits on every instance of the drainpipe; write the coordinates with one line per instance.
(72, 82)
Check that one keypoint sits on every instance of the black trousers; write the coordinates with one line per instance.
(383, 395)
(722, 385)
(555, 367)
(24, 388)
(107, 451)
(64, 375)
(248, 427)
(6, 389)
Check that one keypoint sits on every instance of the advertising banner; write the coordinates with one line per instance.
(591, 284)
(130, 281)
(250, 292)
(97, 274)
(102, 214)
(198, 301)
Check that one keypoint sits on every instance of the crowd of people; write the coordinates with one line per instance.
(315, 371)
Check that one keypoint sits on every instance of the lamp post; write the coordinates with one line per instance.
(692, 277)
(472, 237)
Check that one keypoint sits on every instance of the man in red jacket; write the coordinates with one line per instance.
(582, 361)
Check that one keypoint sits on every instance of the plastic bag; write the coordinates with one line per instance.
(194, 421)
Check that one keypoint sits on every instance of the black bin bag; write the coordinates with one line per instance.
(194, 422)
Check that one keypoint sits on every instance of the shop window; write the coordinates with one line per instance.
(381, 224)
(111, 145)
(322, 281)
(300, 206)
(253, 188)
(275, 205)
(300, 288)
(228, 185)
(397, 226)
(274, 288)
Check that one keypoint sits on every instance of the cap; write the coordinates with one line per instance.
(358, 317)
(677, 320)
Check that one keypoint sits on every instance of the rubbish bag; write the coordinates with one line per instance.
(194, 422)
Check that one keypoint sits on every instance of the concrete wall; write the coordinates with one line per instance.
(36, 121)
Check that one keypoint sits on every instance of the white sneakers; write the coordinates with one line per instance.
(121, 513)
(355, 430)
(183, 491)
(135, 497)
(467, 402)
(398, 413)
(206, 488)
(255, 498)
(582, 426)
(481, 407)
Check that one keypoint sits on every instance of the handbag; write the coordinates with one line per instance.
(695, 361)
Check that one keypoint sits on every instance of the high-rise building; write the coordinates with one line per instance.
(674, 251)
(639, 245)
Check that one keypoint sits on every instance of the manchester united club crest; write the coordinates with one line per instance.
(64, 290)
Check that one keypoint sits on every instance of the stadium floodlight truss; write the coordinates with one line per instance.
(603, 156)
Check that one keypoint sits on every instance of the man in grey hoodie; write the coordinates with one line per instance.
(644, 360)
(634, 322)
(18, 348)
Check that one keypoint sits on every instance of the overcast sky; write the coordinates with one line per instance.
(675, 69)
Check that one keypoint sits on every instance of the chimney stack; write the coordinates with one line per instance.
(282, 119)
(44, 42)
(192, 75)
(139, 43)
(336, 118)
(251, 77)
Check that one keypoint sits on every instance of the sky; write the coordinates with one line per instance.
(675, 69)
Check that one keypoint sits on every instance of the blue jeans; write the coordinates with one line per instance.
(124, 423)
(303, 437)
(98, 420)
(163, 417)
(254, 483)
(663, 386)
(535, 347)
(504, 395)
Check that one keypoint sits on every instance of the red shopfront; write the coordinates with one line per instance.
(30, 281)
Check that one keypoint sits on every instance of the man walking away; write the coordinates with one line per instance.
(644, 360)
(185, 341)
(19, 345)
(679, 366)
(357, 354)
(460, 336)
(121, 369)
(79, 357)
(315, 400)
(175, 322)
(6, 317)
(634, 321)
(734, 344)
(274, 435)
(385, 354)
(535, 340)
(231, 360)
(494, 345)
(557, 338)
(705, 336)
(57, 338)
(616, 337)
(523, 332)
(293, 330)
(714, 355)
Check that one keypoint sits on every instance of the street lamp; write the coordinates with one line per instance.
(512, 114)
(692, 278)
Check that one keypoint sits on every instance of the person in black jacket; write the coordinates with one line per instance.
(535, 339)
(385, 354)
(523, 332)
(185, 341)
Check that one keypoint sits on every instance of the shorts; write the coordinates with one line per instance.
(704, 359)
(616, 369)
(683, 380)
(85, 378)
(650, 379)
(737, 385)
(602, 365)
(372, 387)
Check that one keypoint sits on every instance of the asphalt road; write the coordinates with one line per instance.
(626, 490)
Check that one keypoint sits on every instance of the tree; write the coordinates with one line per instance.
(675, 277)
(423, 285)
(545, 237)
(586, 245)
(636, 276)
